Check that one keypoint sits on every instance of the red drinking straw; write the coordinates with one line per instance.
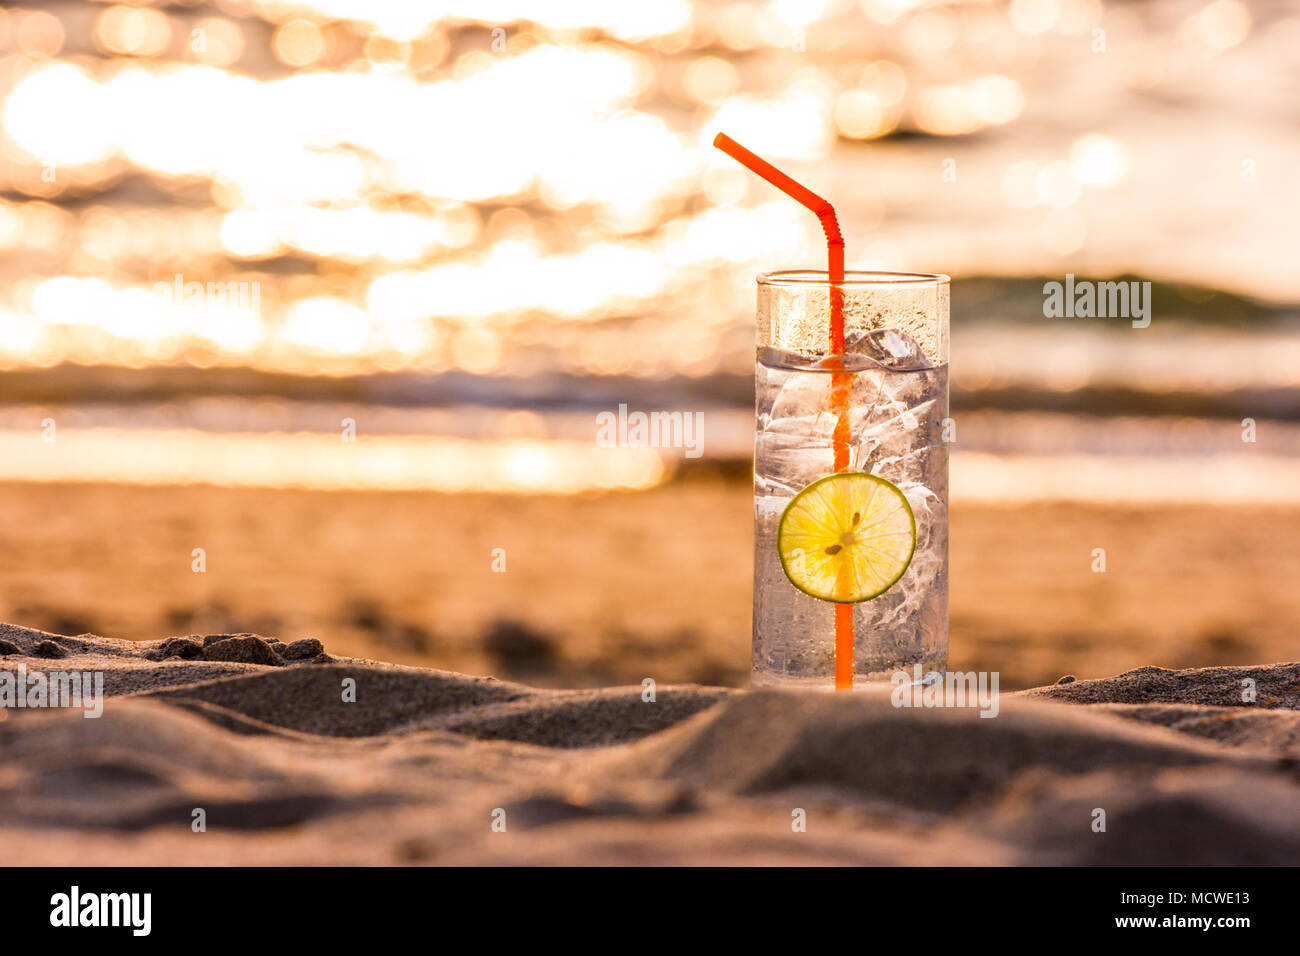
(841, 382)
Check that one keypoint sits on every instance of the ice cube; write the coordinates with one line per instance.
(802, 397)
(890, 348)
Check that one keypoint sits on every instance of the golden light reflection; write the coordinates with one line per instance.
(18, 334)
(888, 11)
(709, 79)
(1079, 16)
(722, 185)
(90, 319)
(514, 279)
(1217, 27)
(1099, 160)
(947, 110)
(476, 349)
(37, 226)
(1095, 160)
(355, 234)
(86, 133)
(1131, 479)
(793, 125)
(157, 321)
(1034, 16)
(860, 115)
(11, 224)
(798, 13)
(1057, 185)
(886, 80)
(737, 26)
(216, 41)
(737, 235)
(403, 20)
(525, 191)
(326, 325)
(1020, 184)
(133, 31)
(447, 197)
(1063, 231)
(997, 99)
(549, 97)
(38, 32)
(298, 43)
(957, 109)
(322, 462)
(931, 33)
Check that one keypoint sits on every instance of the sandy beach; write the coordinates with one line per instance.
(611, 589)
(429, 766)
(316, 441)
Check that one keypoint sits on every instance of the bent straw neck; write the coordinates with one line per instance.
(801, 194)
(831, 226)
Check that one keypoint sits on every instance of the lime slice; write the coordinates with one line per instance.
(847, 537)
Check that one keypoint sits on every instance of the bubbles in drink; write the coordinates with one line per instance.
(897, 405)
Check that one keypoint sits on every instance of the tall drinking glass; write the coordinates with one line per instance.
(886, 397)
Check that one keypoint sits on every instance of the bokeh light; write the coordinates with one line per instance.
(1099, 160)
(1034, 16)
(426, 188)
(132, 31)
(1217, 27)
(299, 43)
(37, 31)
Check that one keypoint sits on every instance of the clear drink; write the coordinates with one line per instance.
(894, 369)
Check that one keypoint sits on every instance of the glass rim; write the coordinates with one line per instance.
(852, 277)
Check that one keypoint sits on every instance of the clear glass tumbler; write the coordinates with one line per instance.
(895, 370)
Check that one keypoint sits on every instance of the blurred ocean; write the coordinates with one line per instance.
(228, 229)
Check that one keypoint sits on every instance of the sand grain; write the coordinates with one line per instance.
(296, 757)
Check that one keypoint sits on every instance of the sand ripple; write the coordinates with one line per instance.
(427, 766)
